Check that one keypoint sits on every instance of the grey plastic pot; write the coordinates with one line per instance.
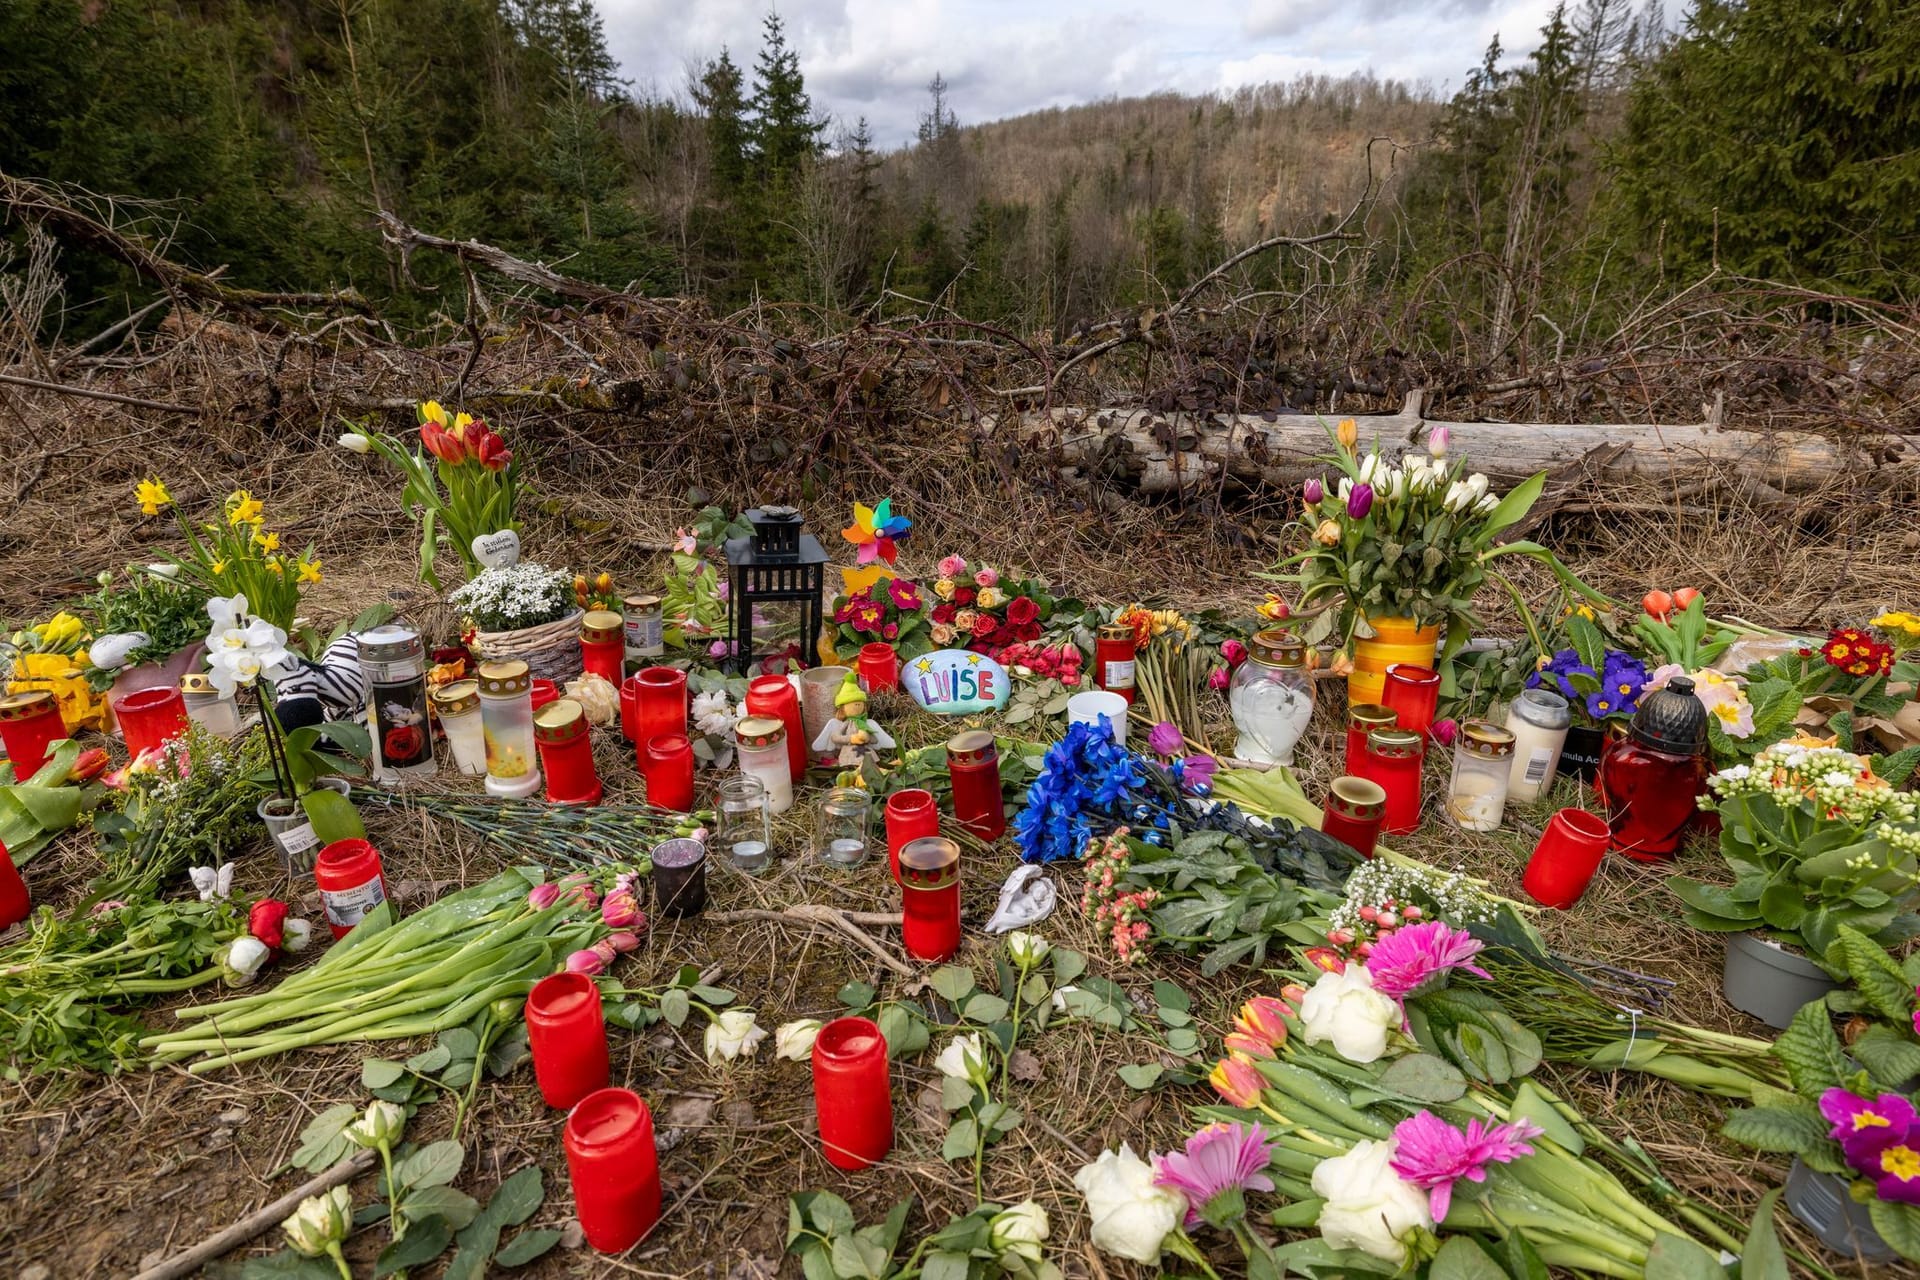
(1768, 981)
(1820, 1200)
(293, 837)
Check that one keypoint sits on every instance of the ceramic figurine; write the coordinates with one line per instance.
(852, 734)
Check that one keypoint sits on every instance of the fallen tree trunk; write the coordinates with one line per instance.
(1140, 451)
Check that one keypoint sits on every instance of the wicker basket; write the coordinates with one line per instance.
(550, 650)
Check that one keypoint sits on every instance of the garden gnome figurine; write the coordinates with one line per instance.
(855, 737)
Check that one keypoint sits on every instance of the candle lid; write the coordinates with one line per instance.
(503, 679)
(1116, 631)
(1278, 648)
(1358, 798)
(1488, 741)
(561, 720)
(1542, 708)
(1412, 673)
(760, 731)
(681, 851)
(390, 642)
(601, 626)
(455, 699)
(25, 706)
(931, 862)
(197, 682)
(1394, 744)
(1672, 719)
(1372, 713)
(970, 747)
(640, 604)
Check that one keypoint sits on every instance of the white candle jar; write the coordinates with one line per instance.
(762, 743)
(1271, 697)
(1482, 761)
(1538, 720)
(217, 715)
(506, 716)
(458, 708)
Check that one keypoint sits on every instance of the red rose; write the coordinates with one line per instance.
(267, 922)
(1028, 631)
(1022, 610)
(963, 595)
(984, 625)
(402, 742)
(944, 612)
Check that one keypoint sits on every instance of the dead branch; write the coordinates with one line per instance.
(265, 1218)
(89, 393)
(845, 923)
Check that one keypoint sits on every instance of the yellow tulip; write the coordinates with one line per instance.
(1328, 534)
(152, 495)
(277, 565)
(1347, 433)
(460, 424)
(432, 412)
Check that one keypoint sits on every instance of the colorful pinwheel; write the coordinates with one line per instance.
(875, 530)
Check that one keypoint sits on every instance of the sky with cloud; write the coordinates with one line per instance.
(1004, 57)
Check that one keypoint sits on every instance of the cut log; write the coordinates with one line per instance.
(1139, 451)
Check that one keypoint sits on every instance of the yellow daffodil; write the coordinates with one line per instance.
(219, 567)
(266, 541)
(432, 412)
(309, 571)
(243, 508)
(277, 565)
(152, 495)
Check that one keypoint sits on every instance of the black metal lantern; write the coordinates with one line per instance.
(779, 564)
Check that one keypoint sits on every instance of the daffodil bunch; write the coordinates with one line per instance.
(237, 555)
(463, 481)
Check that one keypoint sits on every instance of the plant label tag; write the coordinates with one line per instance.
(956, 682)
(297, 840)
(497, 550)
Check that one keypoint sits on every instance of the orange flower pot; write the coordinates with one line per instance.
(1395, 640)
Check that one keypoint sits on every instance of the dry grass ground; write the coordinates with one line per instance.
(101, 1173)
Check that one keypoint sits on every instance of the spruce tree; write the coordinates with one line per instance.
(785, 132)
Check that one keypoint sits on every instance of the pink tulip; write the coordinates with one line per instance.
(605, 950)
(620, 910)
(587, 962)
(1217, 679)
(543, 896)
(625, 940)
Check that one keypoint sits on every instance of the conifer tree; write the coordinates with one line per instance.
(785, 132)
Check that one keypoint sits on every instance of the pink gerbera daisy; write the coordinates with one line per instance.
(1219, 1163)
(1418, 957)
(1428, 1152)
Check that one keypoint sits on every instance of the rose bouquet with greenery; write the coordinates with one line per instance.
(977, 607)
(1815, 841)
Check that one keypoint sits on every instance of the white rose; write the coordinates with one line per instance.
(1027, 950)
(1344, 1008)
(320, 1222)
(734, 1035)
(243, 960)
(794, 1040)
(1397, 488)
(1368, 1207)
(1020, 1231)
(964, 1058)
(381, 1126)
(110, 653)
(1131, 1216)
(295, 935)
(354, 442)
(1060, 995)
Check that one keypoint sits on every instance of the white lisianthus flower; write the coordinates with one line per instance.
(964, 1058)
(1132, 1217)
(735, 1034)
(164, 570)
(1368, 1207)
(212, 882)
(1020, 1231)
(242, 960)
(794, 1040)
(354, 442)
(1345, 1009)
(295, 935)
(379, 1127)
(1027, 950)
(320, 1223)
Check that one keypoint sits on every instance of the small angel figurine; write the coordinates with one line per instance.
(855, 737)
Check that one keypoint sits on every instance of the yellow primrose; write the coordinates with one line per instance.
(243, 508)
(1904, 626)
(309, 571)
(266, 541)
(152, 495)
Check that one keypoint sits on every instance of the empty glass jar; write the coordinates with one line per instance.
(840, 832)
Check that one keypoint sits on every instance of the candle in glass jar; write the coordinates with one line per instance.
(206, 706)
(458, 707)
(840, 833)
(680, 876)
(669, 772)
(1354, 810)
(930, 889)
(973, 765)
(30, 724)
(603, 650)
(566, 753)
(851, 1093)
(1362, 719)
(1539, 720)
(1393, 761)
(149, 719)
(742, 825)
(1413, 693)
(394, 660)
(643, 619)
(762, 742)
(879, 666)
(1482, 762)
(614, 1167)
(506, 719)
(567, 1034)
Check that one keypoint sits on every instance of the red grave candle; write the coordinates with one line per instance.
(544, 692)
(614, 1167)
(149, 718)
(973, 764)
(1413, 695)
(629, 706)
(668, 770)
(15, 904)
(603, 645)
(566, 753)
(568, 1036)
(1362, 719)
(351, 883)
(773, 698)
(1354, 810)
(930, 883)
(910, 816)
(1393, 761)
(1113, 657)
(1564, 861)
(879, 666)
(660, 702)
(30, 724)
(851, 1094)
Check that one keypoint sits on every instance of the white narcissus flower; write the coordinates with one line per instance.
(1368, 1207)
(794, 1040)
(379, 1128)
(1131, 1216)
(295, 935)
(354, 442)
(243, 959)
(1020, 1231)
(212, 882)
(964, 1058)
(735, 1034)
(320, 1223)
(1027, 950)
(1344, 1008)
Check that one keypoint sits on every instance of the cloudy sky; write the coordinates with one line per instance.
(1005, 57)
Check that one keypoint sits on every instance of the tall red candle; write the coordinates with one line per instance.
(973, 764)
(149, 718)
(660, 702)
(1362, 719)
(930, 908)
(1354, 810)
(911, 815)
(668, 770)
(1113, 659)
(1413, 695)
(30, 724)
(614, 1167)
(15, 903)
(603, 645)
(879, 666)
(351, 883)
(567, 1033)
(566, 753)
(1564, 861)
(544, 693)
(773, 697)
(1393, 761)
(851, 1093)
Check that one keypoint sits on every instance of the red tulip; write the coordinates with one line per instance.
(267, 922)
(91, 764)
(442, 444)
(492, 451)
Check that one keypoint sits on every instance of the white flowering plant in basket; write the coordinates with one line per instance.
(515, 597)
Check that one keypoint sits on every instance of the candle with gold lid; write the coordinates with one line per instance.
(1482, 763)
(506, 716)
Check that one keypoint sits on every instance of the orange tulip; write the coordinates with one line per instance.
(1264, 1019)
(1237, 1080)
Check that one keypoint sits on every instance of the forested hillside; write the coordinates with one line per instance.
(1619, 157)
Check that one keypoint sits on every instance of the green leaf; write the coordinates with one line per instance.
(1674, 1257)
(1880, 980)
(284, 1265)
(457, 1207)
(1762, 1258)
(984, 1007)
(945, 1265)
(424, 1241)
(952, 981)
(322, 1142)
(509, 1051)
(857, 995)
(905, 1034)
(527, 1246)
(1067, 965)
(888, 1232)
(1169, 996)
(675, 1005)
(713, 995)
(1142, 1075)
(1811, 1051)
(1889, 1058)
(433, 1165)
(1425, 1078)
(1460, 1258)
(1532, 1105)
(379, 1073)
(857, 1259)
(955, 1093)
(1524, 1261)
(831, 1215)
(1898, 1225)
(1783, 906)
(425, 1063)
(518, 1197)
(1785, 1127)
(1183, 1040)
(1513, 507)
(961, 1140)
